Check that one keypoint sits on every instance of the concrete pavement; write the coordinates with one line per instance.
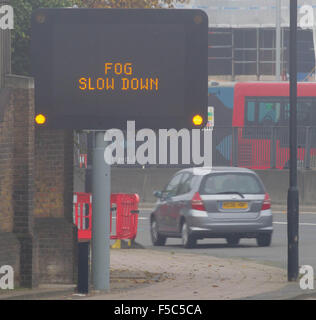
(144, 274)
(195, 277)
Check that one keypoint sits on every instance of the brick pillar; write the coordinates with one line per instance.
(10, 246)
(37, 235)
(54, 228)
(23, 161)
(16, 160)
(16, 179)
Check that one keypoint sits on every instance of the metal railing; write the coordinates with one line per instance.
(263, 147)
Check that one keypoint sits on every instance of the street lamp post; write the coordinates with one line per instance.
(278, 41)
(293, 195)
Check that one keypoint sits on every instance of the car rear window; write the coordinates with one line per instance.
(231, 182)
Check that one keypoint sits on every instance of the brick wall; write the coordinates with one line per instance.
(53, 205)
(10, 244)
(6, 165)
(57, 261)
(37, 235)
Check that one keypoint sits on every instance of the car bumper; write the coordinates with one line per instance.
(204, 226)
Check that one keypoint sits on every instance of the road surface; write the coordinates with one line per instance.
(275, 255)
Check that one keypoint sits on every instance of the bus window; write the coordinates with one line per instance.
(261, 111)
(250, 111)
(312, 118)
(269, 112)
(304, 111)
(286, 111)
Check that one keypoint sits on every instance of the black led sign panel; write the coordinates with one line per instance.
(98, 68)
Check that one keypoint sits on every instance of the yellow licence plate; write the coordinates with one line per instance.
(234, 205)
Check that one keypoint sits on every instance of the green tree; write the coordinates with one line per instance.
(22, 30)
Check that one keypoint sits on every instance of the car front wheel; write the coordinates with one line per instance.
(188, 240)
(156, 238)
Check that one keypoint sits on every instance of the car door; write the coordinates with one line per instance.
(166, 204)
(179, 202)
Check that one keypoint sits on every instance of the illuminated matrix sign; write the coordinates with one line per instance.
(98, 68)
(110, 82)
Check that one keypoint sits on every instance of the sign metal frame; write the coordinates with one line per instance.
(195, 23)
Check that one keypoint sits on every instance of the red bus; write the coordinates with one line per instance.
(261, 111)
(260, 120)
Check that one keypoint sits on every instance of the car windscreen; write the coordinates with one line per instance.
(225, 183)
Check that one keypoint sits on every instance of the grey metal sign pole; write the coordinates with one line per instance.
(101, 193)
(293, 193)
(278, 41)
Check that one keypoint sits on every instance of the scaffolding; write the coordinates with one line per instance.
(252, 51)
(237, 57)
(229, 19)
(245, 13)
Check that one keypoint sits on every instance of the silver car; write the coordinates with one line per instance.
(218, 202)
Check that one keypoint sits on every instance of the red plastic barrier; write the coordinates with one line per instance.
(83, 214)
(124, 211)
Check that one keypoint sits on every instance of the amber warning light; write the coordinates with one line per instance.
(197, 120)
(40, 119)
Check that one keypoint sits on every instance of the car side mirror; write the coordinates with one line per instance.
(158, 194)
